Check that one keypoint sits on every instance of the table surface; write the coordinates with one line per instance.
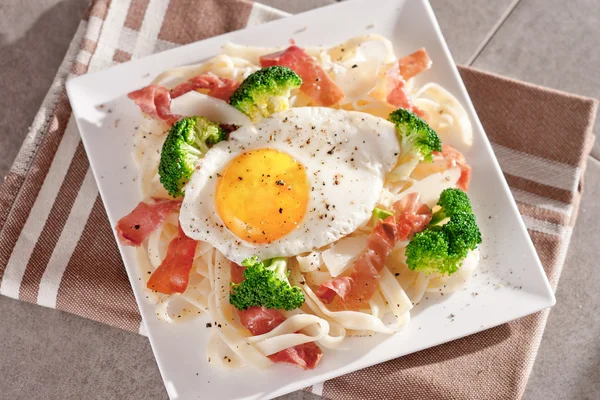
(51, 354)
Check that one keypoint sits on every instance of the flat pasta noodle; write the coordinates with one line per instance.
(350, 320)
(219, 353)
(236, 341)
(446, 115)
(377, 304)
(286, 334)
(333, 340)
(398, 302)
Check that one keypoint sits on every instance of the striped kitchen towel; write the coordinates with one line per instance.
(57, 249)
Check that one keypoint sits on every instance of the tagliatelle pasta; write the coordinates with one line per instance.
(362, 69)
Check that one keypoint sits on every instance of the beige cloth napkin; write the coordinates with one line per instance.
(57, 249)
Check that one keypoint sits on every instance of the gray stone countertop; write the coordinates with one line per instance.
(49, 354)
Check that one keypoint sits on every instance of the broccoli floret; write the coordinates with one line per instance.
(442, 248)
(380, 213)
(265, 92)
(428, 252)
(188, 140)
(417, 139)
(266, 284)
(451, 201)
(463, 234)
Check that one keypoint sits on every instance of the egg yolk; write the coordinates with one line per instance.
(262, 195)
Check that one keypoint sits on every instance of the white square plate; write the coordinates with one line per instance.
(510, 281)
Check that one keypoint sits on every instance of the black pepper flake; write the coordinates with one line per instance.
(280, 182)
(280, 210)
(240, 178)
(355, 66)
(208, 325)
(397, 274)
(137, 227)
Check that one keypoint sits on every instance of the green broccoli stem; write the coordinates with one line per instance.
(438, 217)
(192, 150)
(200, 140)
(279, 267)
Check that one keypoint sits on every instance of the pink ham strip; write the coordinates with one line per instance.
(315, 81)
(336, 287)
(155, 100)
(305, 356)
(260, 320)
(415, 63)
(410, 217)
(135, 227)
(220, 88)
(455, 158)
(173, 274)
(406, 68)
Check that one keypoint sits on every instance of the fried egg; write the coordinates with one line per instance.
(297, 181)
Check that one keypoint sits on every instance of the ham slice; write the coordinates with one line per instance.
(406, 68)
(455, 158)
(237, 273)
(396, 92)
(260, 320)
(221, 88)
(410, 217)
(155, 100)
(135, 227)
(315, 82)
(173, 274)
(415, 63)
(305, 356)
(338, 286)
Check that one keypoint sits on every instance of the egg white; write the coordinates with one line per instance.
(346, 154)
